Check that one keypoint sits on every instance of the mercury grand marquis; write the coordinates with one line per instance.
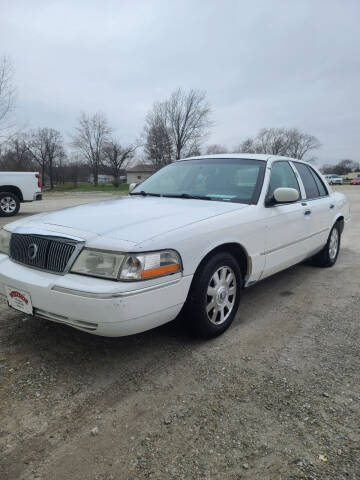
(185, 241)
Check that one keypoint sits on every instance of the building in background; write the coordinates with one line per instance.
(102, 178)
(106, 178)
(139, 173)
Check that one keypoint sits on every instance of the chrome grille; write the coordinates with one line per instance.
(52, 254)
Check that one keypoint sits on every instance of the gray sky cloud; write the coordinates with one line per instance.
(263, 63)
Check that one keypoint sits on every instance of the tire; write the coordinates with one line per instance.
(328, 255)
(214, 296)
(9, 204)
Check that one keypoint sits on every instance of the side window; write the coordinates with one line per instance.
(282, 176)
(319, 183)
(308, 180)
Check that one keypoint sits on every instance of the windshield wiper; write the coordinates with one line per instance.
(170, 195)
(187, 195)
(144, 194)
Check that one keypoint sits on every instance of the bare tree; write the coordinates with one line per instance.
(183, 119)
(158, 146)
(281, 141)
(16, 155)
(273, 141)
(188, 119)
(21, 152)
(74, 168)
(92, 133)
(300, 144)
(7, 92)
(247, 146)
(193, 149)
(70, 170)
(216, 149)
(117, 158)
(46, 147)
(343, 167)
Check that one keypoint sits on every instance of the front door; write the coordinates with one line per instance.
(287, 225)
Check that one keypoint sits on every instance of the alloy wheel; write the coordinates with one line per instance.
(8, 205)
(220, 295)
(333, 244)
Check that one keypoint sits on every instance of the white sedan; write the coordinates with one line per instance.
(333, 179)
(186, 240)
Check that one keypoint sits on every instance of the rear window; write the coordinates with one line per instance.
(310, 185)
(320, 184)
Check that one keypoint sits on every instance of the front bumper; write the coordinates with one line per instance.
(97, 306)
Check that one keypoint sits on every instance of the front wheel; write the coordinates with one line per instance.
(328, 255)
(9, 204)
(214, 296)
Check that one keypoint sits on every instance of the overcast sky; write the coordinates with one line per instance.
(268, 63)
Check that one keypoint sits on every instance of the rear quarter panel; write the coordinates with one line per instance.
(341, 207)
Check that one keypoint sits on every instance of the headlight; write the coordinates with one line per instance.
(117, 266)
(98, 263)
(4, 241)
(150, 265)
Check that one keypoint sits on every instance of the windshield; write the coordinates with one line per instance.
(221, 179)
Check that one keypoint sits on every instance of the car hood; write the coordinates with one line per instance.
(132, 219)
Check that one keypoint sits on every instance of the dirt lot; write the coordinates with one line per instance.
(276, 397)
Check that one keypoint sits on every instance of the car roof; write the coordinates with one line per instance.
(244, 156)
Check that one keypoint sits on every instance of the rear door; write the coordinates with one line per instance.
(318, 206)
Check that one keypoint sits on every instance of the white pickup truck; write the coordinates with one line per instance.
(18, 187)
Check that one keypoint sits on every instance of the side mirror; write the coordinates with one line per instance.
(286, 195)
(132, 186)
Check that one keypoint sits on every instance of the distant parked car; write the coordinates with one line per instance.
(355, 181)
(333, 179)
(18, 187)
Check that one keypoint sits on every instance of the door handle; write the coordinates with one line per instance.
(332, 206)
(307, 212)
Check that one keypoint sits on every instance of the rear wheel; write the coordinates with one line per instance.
(9, 204)
(214, 296)
(328, 255)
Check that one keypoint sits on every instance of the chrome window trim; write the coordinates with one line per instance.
(299, 180)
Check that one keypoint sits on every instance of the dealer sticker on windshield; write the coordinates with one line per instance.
(19, 300)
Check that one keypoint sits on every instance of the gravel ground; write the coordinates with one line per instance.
(276, 397)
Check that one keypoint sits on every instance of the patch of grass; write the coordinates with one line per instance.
(89, 187)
